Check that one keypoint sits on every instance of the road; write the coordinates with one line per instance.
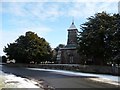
(57, 80)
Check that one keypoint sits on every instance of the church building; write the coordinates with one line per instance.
(68, 54)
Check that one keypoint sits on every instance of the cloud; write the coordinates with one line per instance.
(59, 0)
(13, 8)
(84, 10)
(54, 10)
(46, 11)
(41, 10)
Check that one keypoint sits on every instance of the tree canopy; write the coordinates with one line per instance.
(27, 48)
(59, 46)
(99, 39)
(55, 52)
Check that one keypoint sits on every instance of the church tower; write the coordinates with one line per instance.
(68, 54)
(72, 35)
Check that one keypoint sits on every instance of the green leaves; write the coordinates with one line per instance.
(29, 48)
(99, 38)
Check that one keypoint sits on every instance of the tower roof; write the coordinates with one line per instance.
(72, 26)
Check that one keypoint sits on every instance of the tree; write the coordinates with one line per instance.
(0, 59)
(115, 42)
(4, 59)
(29, 48)
(59, 46)
(99, 38)
(55, 51)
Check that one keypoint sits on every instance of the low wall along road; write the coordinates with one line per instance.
(73, 67)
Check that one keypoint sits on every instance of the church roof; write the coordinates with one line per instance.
(72, 26)
(70, 46)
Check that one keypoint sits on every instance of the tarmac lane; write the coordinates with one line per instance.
(57, 80)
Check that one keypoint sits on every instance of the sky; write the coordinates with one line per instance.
(50, 19)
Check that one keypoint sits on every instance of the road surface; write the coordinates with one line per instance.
(57, 80)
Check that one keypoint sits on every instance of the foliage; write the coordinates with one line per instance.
(4, 59)
(29, 48)
(59, 46)
(99, 40)
(55, 51)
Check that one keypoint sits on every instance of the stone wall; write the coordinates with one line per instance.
(74, 67)
(67, 53)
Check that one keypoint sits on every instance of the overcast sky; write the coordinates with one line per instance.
(50, 19)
